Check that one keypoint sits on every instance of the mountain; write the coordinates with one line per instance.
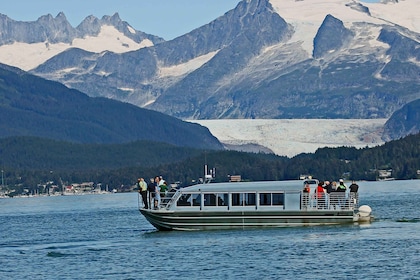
(48, 36)
(403, 122)
(265, 59)
(33, 106)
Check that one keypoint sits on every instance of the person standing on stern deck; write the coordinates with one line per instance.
(341, 191)
(354, 187)
(320, 195)
(306, 193)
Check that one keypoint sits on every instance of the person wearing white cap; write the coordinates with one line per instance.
(341, 188)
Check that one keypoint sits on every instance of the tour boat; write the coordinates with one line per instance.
(241, 205)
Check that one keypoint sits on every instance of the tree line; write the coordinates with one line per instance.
(27, 163)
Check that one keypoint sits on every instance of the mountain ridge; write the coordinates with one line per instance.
(48, 36)
(33, 106)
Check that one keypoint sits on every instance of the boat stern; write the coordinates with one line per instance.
(364, 214)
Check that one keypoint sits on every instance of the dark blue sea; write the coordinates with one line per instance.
(105, 237)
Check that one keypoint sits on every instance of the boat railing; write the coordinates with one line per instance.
(166, 198)
(331, 201)
(308, 201)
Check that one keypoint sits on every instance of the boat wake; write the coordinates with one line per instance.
(410, 220)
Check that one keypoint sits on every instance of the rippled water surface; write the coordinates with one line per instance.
(105, 237)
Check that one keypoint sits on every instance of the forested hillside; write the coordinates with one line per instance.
(32, 106)
(26, 166)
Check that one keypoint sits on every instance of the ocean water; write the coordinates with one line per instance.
(105, 237)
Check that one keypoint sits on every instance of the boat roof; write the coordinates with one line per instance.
(246, 186)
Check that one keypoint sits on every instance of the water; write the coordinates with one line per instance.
(105, 237)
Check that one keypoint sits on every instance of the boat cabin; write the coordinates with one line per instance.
(241, 196)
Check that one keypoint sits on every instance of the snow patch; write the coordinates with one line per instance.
(28, 56)
(131, 29)
(126, 89)
(414, 60)
(403, 12)
(289, 137)
(307, 16)
(110, 39)
(101, 73)
(184, 68)
(149, 102)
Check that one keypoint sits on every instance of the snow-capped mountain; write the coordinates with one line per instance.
(264, 59)
(28, 44)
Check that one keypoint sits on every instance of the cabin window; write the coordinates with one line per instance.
(250, 199)
(222, 199)
(184, 200)
(265, 198)
(219, 199)
(209, 199)
(237, 199)
(268, 199)
(188, 199)
(278, 198)
(243, 199)
(196, 199)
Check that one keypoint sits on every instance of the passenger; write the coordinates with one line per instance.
(354, 187)
(333, 195)
(341, 187)
(320, 195)
(341, 190)
(157, 193)
(306, 191)
(353, 191)
(328, 189)
(163, 187)
(334, 186)
(143, 191)
(151, 191)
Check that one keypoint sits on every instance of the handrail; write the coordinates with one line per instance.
(331, 201)
(308, 201)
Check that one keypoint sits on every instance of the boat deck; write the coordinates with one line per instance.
(251, 204)
(306, 202)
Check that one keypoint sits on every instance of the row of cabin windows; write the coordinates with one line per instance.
(237, 199)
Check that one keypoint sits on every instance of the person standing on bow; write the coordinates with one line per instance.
(157, 193)
(143, 191)
(151, 191)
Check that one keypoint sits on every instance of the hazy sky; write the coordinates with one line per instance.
(164, 18)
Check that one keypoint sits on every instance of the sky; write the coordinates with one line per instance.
(164, 18)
